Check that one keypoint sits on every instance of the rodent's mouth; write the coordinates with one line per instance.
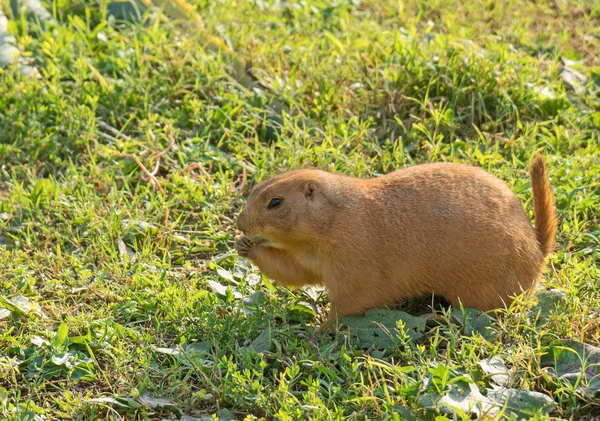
(264, 241)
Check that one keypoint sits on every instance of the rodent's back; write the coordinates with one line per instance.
(443, 228)
(445, 196)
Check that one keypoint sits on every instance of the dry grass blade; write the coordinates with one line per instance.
(158, 156)
(147, 176)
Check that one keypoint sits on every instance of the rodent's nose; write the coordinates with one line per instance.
(242, 222)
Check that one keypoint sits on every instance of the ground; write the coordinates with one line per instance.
(121, 295)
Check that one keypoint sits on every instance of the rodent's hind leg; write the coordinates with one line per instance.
(282, 267)
(486, 300)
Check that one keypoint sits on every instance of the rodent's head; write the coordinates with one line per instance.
(290, 208)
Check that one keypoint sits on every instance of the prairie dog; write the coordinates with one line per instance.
(447, 229)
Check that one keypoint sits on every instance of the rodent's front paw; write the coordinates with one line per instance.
(243, 245)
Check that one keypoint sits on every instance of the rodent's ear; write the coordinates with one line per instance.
(309, 189)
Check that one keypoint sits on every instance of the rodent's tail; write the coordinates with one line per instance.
(543, 204)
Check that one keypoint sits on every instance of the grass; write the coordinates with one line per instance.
(116, 291)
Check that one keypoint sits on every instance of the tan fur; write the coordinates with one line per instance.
(543, 205)
(446, 229)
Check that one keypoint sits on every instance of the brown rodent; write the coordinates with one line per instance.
(447, 229)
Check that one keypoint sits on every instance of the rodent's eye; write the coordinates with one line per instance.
(274, 203)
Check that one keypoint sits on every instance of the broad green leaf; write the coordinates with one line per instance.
(465, 399)
(256, 299)
(61, 335)
(440, 376)
(131, 403)
(474, 321)
(152, 401)
(25, 305)
(130, 11)
(225, 274)
(19, 305)
(28, 415)
(523, 403)
(496, 369)
(377, 327)
(576, 363)
(39, 341)
(226, 415)
(187, 350)
(221, 289)
(262, 342)
(62, 359)
(548, 302)
(196, 348)
(167, 351)
(404, 413)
